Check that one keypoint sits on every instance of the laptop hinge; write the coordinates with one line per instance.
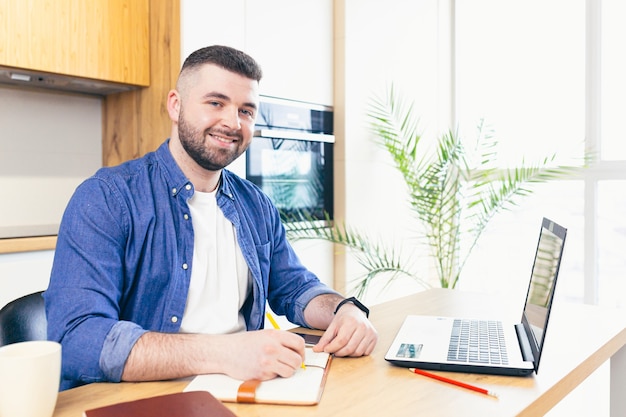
(524, 344)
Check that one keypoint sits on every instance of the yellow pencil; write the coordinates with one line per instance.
(272, 320)
(277, 327)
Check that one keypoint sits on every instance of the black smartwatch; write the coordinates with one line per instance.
(356, 303)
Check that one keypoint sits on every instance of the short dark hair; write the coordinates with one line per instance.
(230, 59)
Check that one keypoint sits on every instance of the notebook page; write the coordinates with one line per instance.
(303, 387)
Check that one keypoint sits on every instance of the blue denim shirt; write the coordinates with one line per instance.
(124, 256)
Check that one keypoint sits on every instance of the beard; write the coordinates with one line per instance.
(194, 141)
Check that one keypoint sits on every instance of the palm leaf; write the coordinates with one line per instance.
(453, 193)
(372, 255)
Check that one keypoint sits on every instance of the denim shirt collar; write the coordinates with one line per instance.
(177, 180)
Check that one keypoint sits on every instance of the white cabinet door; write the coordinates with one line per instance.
(211, 22)
(293, 42)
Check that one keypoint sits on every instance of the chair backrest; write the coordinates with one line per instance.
(23, 319)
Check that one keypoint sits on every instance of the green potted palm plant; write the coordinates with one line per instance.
(453, 192)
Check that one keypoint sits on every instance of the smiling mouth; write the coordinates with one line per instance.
(223, 139)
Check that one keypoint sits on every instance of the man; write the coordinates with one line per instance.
(164, 264)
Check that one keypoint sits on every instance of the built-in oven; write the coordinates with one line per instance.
(291, 157)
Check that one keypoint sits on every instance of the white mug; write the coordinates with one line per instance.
(30, 373)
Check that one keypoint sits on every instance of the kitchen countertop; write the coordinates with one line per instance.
(10, 232)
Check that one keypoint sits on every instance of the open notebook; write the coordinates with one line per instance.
(492, 346)
(305, 387)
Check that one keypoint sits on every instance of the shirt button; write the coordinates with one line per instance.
(185, 266)
(174, 319)
(174, 190)
(186, 216)
(188, 187)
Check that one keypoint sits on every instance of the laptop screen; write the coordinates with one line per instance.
(542, 283)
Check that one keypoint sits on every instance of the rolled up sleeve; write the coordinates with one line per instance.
(117, 346)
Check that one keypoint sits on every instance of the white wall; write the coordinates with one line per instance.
(49, 142)
(24, 273)
(379, 43)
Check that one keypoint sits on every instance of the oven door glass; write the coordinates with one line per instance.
(295, 174)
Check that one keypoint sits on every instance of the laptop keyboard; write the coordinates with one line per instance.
(477, 341)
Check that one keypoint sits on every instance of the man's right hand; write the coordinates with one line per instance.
(261, 354)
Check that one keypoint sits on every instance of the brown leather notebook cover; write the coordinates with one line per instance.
(181, 404)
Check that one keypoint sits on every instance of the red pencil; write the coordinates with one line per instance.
(453, 382)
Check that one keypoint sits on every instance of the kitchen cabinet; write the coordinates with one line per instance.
(133, 122)
(97, 39)
(136, 122)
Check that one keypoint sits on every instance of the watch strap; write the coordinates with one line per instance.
(356, 302)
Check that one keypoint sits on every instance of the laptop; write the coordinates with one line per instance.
(500, 348)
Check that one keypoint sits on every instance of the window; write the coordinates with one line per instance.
(613, 80)
(547, 77)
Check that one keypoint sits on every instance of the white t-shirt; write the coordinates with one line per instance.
(220, 280)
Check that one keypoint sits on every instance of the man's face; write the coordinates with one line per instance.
(216, 118)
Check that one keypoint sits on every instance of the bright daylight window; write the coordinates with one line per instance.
(611, 196)
(521, 66)
(613, 80)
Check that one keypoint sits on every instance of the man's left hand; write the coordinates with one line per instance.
(350, 333)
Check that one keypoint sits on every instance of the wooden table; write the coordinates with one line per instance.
(575, 347)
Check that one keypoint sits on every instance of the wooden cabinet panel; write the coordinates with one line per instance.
(96, 39)
(136, 122)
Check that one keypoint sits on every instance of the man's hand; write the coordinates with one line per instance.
(262, 354)
(350, 333)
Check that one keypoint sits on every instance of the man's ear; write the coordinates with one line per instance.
(173, 105)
